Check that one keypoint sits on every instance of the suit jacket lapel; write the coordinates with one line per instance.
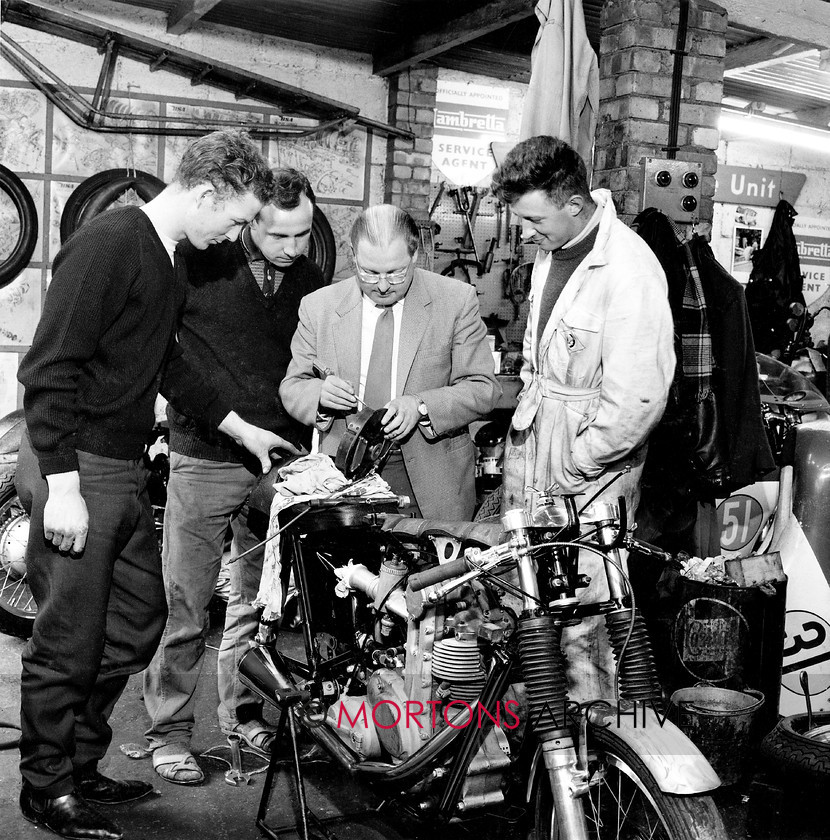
(413, 327)
(347, 333)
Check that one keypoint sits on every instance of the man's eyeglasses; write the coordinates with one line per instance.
(394, 278)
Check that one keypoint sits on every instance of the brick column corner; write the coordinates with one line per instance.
(637, 59)
(409, 162)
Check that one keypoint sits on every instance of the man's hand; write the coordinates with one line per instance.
(337, 394)
(257, 441)
(401, 417)
(65, 517)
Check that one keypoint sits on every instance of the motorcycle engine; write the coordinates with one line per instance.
(429, 671)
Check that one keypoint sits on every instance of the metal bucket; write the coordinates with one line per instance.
(719, 722)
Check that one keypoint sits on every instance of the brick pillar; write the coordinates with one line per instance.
(636, 64)
(409, 162)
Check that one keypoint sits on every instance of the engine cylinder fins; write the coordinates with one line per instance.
(544, 672)
(457, 662)
(638, 672)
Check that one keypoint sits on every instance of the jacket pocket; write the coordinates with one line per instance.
(577, 328)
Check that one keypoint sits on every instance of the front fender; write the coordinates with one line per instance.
(674, 762)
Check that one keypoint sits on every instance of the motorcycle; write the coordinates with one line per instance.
(435, 671)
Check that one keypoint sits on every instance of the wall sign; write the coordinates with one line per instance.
(759, 187)
(468, 117)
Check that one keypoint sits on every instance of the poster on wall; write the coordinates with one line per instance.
(812, 239)
(745, 242)
(22, 129)
(174, 146)
(20, 308)
(333, 161)
(79, 152)
(468, 117)
(8, 382)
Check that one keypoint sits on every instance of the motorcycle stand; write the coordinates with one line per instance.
(305, 816)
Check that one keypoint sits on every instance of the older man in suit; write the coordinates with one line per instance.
(400, 338)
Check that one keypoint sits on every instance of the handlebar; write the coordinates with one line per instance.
(438, 574)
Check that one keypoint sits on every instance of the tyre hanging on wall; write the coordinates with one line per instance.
(14, 190)
(109, 189)
(321, 246)
(121, 187)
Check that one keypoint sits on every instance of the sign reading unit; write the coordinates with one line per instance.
(673, 187)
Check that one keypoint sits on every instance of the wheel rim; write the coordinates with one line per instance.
(15, 596)
(621, 803)
(618, 806)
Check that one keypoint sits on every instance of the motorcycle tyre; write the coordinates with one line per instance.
(682, 817)
(24, 204)
(788, 747)
(14, 619)
(322, 248)
(98, 193)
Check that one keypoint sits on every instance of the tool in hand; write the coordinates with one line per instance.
(323, 372)
(235, 775)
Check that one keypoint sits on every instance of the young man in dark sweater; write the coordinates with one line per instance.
(103, 349)
(241, 312)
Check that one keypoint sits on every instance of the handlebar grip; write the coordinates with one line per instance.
(445, 571)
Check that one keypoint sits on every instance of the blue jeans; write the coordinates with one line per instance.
(203, 497)
(99, 619)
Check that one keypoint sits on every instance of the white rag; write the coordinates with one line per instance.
(303, 480)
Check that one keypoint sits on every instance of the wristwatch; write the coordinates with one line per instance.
(423, 413)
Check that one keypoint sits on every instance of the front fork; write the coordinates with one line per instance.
(543, 668)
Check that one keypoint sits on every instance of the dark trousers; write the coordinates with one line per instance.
(395, 475)
(100, 616)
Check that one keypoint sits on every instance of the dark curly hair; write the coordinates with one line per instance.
(231, 161)
(541, 163)
(289, 185)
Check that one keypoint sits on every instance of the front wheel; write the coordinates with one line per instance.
(624, 802)
(17, 605)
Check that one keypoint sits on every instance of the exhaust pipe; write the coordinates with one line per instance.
(265, 672)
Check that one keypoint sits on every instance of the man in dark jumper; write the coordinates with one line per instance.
(242, 303)
(104, 348)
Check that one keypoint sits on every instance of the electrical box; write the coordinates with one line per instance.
(673, 187)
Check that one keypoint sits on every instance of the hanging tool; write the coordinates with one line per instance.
(441, 187)
(804, 680)
(462, 203)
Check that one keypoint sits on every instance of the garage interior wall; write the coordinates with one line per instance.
(52, 155)
(811, 227)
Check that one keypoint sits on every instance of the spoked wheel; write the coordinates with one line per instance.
(625, 803)
(17, 606)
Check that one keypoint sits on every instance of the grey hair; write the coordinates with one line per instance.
(382, 224)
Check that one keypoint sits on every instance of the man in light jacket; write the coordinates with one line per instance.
(598, 347)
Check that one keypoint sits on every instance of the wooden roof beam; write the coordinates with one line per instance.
(490, 17)
(763, 52)
(186, 13)
(799, 21)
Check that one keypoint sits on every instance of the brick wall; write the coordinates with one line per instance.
(637, 58)
(409, 162)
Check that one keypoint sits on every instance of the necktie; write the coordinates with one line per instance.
(378, 389)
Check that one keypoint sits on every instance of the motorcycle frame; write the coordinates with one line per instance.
(655, 742)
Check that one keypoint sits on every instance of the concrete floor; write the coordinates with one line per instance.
(763, 808)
